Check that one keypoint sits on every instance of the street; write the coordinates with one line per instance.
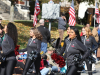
(97, 69)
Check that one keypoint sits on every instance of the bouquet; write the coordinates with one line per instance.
(58, 59)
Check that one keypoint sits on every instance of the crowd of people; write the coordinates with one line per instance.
(39, 57)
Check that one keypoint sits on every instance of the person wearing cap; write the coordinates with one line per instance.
(45, 34)
(61, 26)
(55, 66)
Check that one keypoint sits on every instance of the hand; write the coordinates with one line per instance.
(65, 18)
(1, 52)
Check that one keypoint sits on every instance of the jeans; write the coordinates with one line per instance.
(44, 47)
(46, 70)
(54, 68)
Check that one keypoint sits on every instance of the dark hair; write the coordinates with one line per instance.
(62, 14)
(12, 32)
(1, 27)
(37, 33)
(96, 25)
(76, 32)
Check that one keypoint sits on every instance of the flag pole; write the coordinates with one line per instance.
(50, 25)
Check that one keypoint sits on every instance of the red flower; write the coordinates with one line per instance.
(58, 59)
(16, 48)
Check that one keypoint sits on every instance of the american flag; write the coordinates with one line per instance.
(97, 14)
(36, 12)
(96, 10)
(72, 19)
(98, 18)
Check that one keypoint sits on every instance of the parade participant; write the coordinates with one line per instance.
(61, 26)
(68, 32)
(73, 46)
(34, 44)
(45, 34)
(88, 40)
(8, 46)
(87, 25)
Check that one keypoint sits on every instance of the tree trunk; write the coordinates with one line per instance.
(11, 12)
(76, 11)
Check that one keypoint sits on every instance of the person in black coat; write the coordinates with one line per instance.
(8, 46)
(73, 46)
(88, 40)
(46, 35)
(34, 44)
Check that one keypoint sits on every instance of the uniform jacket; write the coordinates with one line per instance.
(71, 48)
(8, 47)
(33, 44)
(95, 34)
(89, 42)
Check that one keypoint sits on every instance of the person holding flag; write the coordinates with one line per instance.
(36, 12)
(72, 19)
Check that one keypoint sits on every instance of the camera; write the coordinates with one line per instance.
(33, 55)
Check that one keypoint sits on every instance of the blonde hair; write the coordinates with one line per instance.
(88, 32)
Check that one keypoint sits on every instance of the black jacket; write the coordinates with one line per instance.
(71, 48)
(89, 42)
(33, 44)
(8, 47)
(45, 33)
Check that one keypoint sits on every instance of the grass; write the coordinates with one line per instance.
(23, 28)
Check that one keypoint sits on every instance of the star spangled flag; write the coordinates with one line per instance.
(36, 12)
(72, 19)
(98, 18)
(96, 10)
(97, 14)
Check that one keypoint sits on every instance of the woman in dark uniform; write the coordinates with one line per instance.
(73, 46)
(8, 46)
(34, 44)
(88, 40)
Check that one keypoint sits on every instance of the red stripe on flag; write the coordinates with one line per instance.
(36, 13)
(72, 19)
